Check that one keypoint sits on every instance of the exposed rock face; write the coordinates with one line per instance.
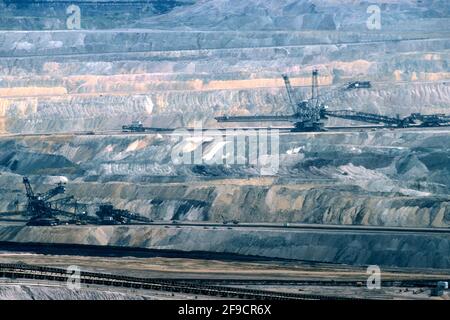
(176, 63)
(392, 178)
(403, 250)
(300, 15)
(193, 60)
(24, 292)
(96, 14)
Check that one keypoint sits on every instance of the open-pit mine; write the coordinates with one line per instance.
(198, 149)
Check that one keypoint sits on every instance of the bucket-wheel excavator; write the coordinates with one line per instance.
(47, 212)
(308, 115)
(41, 208)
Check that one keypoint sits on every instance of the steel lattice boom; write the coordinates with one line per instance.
(308, 114)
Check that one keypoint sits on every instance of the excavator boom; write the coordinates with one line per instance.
(29, 190)
(290, 92)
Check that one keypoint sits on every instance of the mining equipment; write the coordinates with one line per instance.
(44, 211)
(232, 221)
(138, 127)
(358, 85)
(135, 126)
(308, 115)
(441, 287)
(413, 120)
(429, 120)
(370, 118)
(40, 207)
(83, 218)
(110, 215)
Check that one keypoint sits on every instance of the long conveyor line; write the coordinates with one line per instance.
(168, 285)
